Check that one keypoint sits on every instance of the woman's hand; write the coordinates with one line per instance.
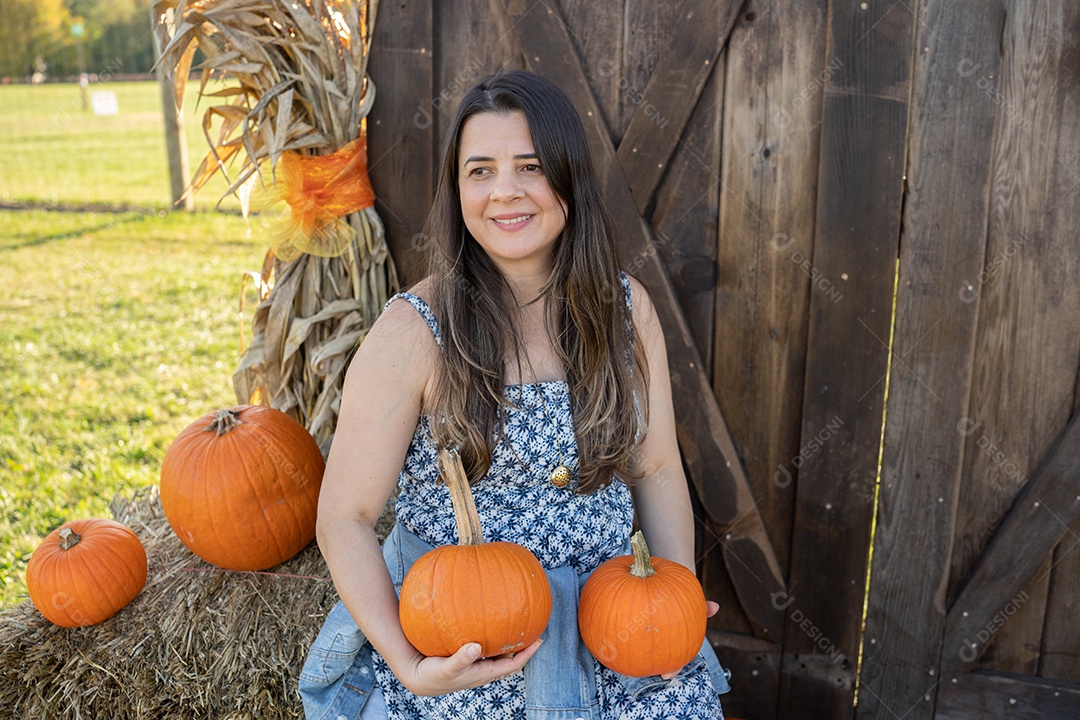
(713, 608)
(441, 675)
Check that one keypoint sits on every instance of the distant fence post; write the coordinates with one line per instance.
(175, 140)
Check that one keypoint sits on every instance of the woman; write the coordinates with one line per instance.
(527, 350)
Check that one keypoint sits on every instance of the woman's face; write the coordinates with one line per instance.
(506, 201)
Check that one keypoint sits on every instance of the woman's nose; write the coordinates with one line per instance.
(506, 187)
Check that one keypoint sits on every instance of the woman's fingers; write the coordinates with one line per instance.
(512, 662)
(463, 658)
(464, 670)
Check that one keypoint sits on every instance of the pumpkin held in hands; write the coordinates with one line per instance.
(495, 594)
(240, 487)
(642, 616)
(85, 571)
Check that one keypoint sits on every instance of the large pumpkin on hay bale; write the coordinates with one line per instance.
(240, 487)
(85, 571)
(641, 615)
(495, 594)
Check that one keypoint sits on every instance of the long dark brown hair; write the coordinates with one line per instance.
(604, 361)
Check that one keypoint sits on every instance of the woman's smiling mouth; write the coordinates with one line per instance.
(514, 222)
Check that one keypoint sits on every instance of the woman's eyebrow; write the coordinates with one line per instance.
(484, 158)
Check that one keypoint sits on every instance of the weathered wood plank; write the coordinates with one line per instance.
(776, 68)
(705, 442)
(941, 246)
(685, 231)
(997, 695)
(1060, 655)
(684, 219)
(400, 141)
(755, 673)
(659, 110)
(1000, 586)
(713, 574)
(1060, 652)
(597, 32)
(1029, 316)
(474, 40)
(715, 580)
(1017, 644)
(857, 226)
(646, 31)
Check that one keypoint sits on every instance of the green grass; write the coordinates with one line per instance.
(54, 152)
(116, 329)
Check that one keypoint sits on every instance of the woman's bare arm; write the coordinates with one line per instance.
(381, 403)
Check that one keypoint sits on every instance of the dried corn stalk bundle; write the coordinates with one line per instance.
(290, 140)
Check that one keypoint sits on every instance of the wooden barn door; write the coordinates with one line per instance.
(781, 172)
(975, 583)
(705, 124)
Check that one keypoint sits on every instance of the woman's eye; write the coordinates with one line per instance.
(476, 172)
(532, 167)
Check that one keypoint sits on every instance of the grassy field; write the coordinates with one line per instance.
(116, 329)
(55, 152)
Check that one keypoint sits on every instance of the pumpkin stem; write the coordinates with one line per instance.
(468, 520)
(642, 566)
(69, 538)
(224, 421)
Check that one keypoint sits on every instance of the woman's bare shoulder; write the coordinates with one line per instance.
(641, 302)
(400, 317)
(399, 333)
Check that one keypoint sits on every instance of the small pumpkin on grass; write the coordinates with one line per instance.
(642, 616)
(240, 487)
(495, 594)
(85, 571)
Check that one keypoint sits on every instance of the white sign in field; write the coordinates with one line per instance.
(104, 102)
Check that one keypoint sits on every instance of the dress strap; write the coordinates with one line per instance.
(424, 309)
(625, 280)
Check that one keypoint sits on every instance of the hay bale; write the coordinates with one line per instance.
(198, 642)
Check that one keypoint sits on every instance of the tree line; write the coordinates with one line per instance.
(44, 37)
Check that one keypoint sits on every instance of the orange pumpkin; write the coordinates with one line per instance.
(240, 487)
(642, 616)
(85, 571)
(495, 594)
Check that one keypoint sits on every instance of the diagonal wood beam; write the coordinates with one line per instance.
(706, 444)
(1039, 519)
(673, 90)
(989, 694)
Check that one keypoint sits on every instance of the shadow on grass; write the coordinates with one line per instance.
(67, 234)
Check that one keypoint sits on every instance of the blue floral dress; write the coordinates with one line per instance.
(517, 502)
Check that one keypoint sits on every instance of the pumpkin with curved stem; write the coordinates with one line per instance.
(85, 571)
(495, 594)
(642, 616)
(240, 487)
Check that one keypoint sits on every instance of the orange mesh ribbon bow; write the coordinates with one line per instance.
(320, 191)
